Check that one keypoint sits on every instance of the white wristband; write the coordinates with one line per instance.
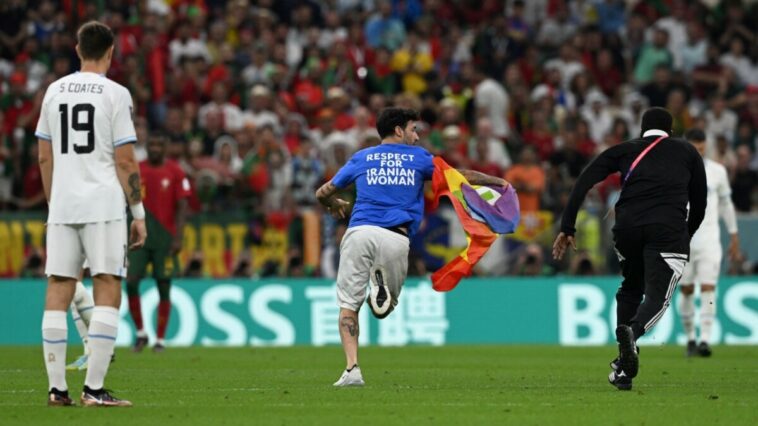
(138, 211)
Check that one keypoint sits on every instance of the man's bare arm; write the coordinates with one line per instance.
(45, 159)
(128, 173)
(477, 178)
(325, 193)
(336, 206)
(127, 170)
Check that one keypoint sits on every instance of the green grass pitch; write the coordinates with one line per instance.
(469, 385)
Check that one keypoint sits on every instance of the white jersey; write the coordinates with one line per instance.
(86, 116)
(719, 192)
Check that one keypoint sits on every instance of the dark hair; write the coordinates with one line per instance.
(389, 118)
(657, 118)
(158, 135)
(94, 40)
(695, 135)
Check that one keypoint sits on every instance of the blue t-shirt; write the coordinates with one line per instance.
(389, 179)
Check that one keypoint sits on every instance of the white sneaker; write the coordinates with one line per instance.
(380, 298)
(351, 378)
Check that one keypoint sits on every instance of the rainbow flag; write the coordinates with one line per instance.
(484, 212)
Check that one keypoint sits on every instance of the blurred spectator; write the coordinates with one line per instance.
(652, 55)
(556, 29)
(569, 159)
(693, 53)
(187, 47)
(725, 155)
(528, 178)
(744, 181)
(739, 62)
(229, 114)
(675, 25)
(596, 113)
(487, 149)
(531, 262)
(413, 62)
(490, 100)
(719, 120)
(259, 112)
(382, 29)
(32, 192)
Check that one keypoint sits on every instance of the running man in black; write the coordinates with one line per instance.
(660, 175)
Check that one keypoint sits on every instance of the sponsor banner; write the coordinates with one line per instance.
(284, 312)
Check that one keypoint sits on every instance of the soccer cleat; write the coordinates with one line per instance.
(56, 398)
(379, 299)
(691, 348)
(629, 361)
(139, 344)
(352, 377)
(158, 348)
(102, 398)
(704, 350)
(619, 379)
(79, 364)
(615, 363)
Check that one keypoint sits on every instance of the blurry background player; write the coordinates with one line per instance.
(705, 252)
(165, 192)
(87, 164)
(389, 206)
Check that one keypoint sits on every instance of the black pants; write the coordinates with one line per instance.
(652, 259)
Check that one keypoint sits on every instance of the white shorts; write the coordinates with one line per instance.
(363, 249)
(102, 244)
(703, 268)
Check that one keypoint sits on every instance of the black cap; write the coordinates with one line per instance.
(657, 118)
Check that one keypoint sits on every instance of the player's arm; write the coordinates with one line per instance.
(334, 205)
(727, 212)
(127, 170)
(477, 178)
(45, 159)
(605, 164)
(698, 192)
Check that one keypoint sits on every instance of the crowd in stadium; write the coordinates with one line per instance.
(264, 100)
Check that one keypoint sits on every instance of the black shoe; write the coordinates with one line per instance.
(56, 398)
(691, 348)
(139, 344)
(102, 398)
(615, 363)
(704, 350)
(629, 361)
(113, 358)
(158, 348)
(620, 380)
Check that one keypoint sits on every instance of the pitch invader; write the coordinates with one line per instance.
(387, 212)
(705, 252)
(166, 190)
(87, 164)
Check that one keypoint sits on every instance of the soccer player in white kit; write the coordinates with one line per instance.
(87, 164)
(705, 252)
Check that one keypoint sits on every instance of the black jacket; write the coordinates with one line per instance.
(658, 189)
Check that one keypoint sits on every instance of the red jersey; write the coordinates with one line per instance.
(162, 188)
